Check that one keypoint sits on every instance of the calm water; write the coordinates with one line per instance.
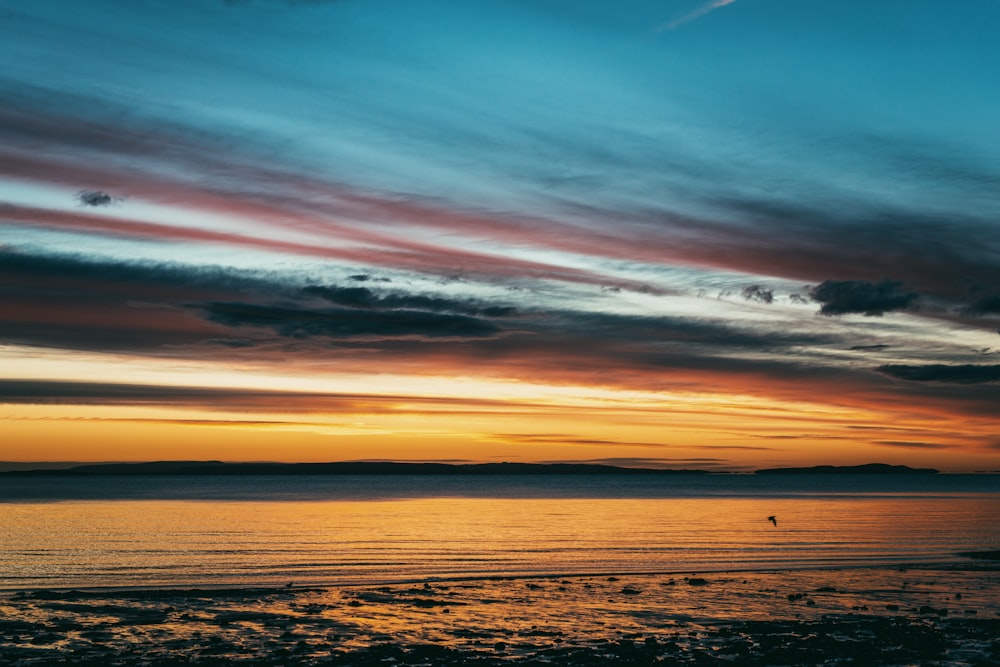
(206, 531)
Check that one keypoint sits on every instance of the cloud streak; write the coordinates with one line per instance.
(951, 374)
(695, 14)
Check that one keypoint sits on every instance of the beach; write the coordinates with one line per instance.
(934, 614)
(516, 570)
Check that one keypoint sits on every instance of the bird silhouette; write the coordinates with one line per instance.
(773, 520)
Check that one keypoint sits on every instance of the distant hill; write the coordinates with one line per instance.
(866, 469)
(344, 468)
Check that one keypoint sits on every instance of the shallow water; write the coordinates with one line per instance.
(191, 531)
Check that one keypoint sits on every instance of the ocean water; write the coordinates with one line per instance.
(266, 531)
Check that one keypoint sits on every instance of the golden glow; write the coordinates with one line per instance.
(481, 421)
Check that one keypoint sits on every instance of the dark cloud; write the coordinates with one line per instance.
(986, 305)
(840, 297)
(96, 198)
(758, 294)
(212, 313)
(100, 393)
(348, 322)
(633, 331)
(44, 392)
(957, 374)
(497, 311)
(906, 444)
(568, 439)
(929, 252)
(90, 304)
(34, 272)
(869, 348)
(801, 436)
(362, 297)
(84, 303)
(350, 297)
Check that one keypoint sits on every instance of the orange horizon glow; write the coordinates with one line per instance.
(470, 420)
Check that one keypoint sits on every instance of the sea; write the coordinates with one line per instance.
(250, 531)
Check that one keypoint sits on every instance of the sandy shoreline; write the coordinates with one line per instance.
(929, 614)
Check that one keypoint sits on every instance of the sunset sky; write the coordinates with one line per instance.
(723, 235)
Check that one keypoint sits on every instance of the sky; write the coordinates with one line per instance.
(722, 235)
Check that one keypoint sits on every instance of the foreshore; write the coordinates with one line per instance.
(919, 614)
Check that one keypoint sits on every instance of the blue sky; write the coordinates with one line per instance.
(784, 189)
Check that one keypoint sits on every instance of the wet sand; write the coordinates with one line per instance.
(926, 615)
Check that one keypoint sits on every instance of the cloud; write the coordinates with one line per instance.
(213, 313)
(905, 444)
(380, 249)
(986, 305)
(46, 392)
(103, 393)
(347, 323)
(568, 439)
(86, 303)
(958, 374)
(840, 297)
(218, 172)
(363, 297)
(696, 14)
(758, 294)
(74, 302)
(869, 348)
(97, 198)
(72, 272)
(926, 251)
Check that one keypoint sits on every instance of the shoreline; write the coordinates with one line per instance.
(936, 614)
(973, 561)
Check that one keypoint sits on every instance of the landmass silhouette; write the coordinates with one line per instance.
(407, 468)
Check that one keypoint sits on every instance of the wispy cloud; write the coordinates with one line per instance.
(569, 439)
(907, 444)
(945, 373)
(695, 14)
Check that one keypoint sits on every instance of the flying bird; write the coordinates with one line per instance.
(773, 520)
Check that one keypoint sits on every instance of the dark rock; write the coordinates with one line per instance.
(928, 610)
